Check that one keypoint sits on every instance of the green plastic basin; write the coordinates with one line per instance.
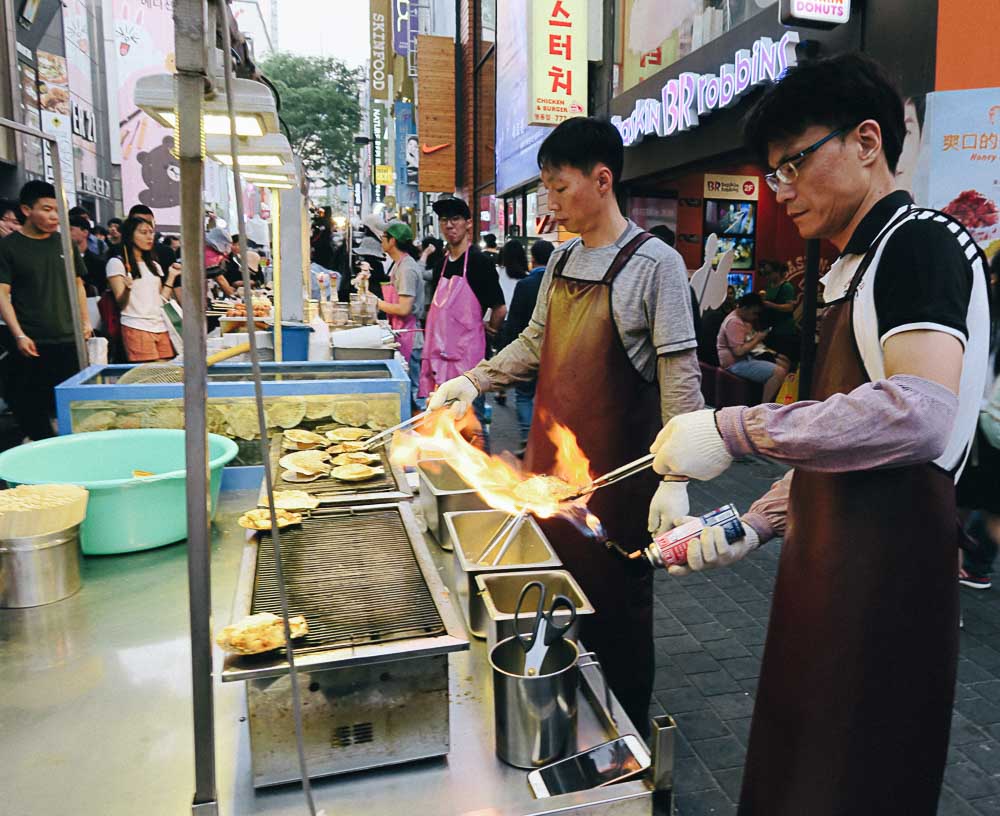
(124, 513)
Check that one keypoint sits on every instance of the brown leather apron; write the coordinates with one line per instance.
(854, 702)
(587, 382)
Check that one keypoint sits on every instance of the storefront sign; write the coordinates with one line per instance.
(558, 71)
(691, 95)
(94, 185)
(380, 62)
(405, 26)
(809, 13)
(436, 119)
(735, 188)
(84, 123)
(407, 150)
(383, 174)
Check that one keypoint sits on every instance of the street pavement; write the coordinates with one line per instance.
(710, 631)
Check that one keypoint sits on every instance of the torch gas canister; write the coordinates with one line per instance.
(670, 548)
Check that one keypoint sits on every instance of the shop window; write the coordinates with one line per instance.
(652, 35)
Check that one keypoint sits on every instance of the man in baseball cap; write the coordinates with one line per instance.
(449, 206)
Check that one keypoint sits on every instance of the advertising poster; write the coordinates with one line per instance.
(380, 60)
(54, 101)
(144, 35)
(406, 148)
(649, 212)
(34, 164)
(405, 26)
(517, 142)
(558, 36)
(951, 159)
(83, 122)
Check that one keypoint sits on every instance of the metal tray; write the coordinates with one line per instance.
(442, 491)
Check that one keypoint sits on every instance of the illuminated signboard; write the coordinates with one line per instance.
(686, 98)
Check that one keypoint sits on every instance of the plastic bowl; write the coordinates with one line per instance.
(124, 513)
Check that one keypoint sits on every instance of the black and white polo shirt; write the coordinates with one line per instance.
(927, 273)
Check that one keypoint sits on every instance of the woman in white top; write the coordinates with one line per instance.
(140, 289)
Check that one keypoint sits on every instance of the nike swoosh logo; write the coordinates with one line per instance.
(428, 150)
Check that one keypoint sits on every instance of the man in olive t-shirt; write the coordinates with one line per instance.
(36, 305)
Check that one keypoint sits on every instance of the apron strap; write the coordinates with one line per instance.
(561, 263)
(624, 256)
(873, 251)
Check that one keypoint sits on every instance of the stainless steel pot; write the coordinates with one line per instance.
(500, 593)
(38, 570)
(535, 716)
(442, 491)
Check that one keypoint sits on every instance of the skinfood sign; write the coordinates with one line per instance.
(689, 96)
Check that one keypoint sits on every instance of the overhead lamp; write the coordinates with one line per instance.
(285, 173)
(270, 150)
(254, 105)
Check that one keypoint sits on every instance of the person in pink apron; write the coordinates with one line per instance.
(401, 293)
(468, 286)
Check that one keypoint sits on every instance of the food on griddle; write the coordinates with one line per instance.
(286, 412)
(350, 412)
(260, 518)
(349, 434)
(357, 458)
(355, 473)
(299, 478)
(307, 462)
(294, 500)
(543, 489)
(301, 439)
(141, 474)
(347, 447)
(260, 633)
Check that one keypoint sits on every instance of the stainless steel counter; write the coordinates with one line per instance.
(95, 711)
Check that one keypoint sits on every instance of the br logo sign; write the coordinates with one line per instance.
(749, 188)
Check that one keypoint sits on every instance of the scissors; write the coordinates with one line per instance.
(545, 630)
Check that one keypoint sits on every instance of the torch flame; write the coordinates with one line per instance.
(494, 478)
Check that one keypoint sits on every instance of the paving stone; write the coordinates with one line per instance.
(963, 732)
(987, 807)
(979, 710)
(714, 683)
(705, 632)
(720, 752)
(751, 635)
(950, 804)
(669, 677)
(690, 775)
(696, 663)
(723, 603)
(730, 780)
(758, 609)
(990, 690)
(969, 672)
(695, 614)
(681, 700)
(704, 724)
(970, 781)
(985, 754)
(737, 619)
(707, 803)
(963, 691)
(983, 656)
(749, 685)
(677, 644)
(742, 668)
(745, 594)
(741, 728)
(737, 705)
(730, 647)
(757, 650)
(668, 627)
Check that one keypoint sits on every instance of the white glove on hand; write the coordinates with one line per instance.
(711, 549)
(460, 389)
(690, 445)
(669, 502)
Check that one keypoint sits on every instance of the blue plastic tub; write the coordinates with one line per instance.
(124, 513)
(294, 341)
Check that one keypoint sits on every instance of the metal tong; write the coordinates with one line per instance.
(383, 437)
(624, 472)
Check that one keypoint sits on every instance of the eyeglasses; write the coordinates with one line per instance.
(788, 171)
(453, 219)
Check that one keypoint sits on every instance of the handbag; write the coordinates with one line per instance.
(173, 319)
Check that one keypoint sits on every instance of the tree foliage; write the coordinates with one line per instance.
(319, 104)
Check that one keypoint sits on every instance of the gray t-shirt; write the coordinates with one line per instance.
(406, 277)
(650, 300)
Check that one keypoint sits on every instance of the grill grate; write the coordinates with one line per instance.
(355, 578)
(326, 486)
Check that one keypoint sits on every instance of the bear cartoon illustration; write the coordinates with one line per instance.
(162, 174)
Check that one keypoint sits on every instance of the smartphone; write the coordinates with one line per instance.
(596, 767)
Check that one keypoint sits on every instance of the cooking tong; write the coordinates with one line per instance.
(624, 472)
(545, 629)
(383, 437)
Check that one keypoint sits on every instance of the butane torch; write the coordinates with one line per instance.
(671, 547)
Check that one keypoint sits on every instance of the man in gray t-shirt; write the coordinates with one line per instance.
(613, 345)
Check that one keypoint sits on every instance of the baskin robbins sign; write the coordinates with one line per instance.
(684, 99)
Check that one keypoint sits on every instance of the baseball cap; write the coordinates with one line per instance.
(375, 223)
(399, 231)
(447, 206)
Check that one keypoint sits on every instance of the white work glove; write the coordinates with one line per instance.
(711, 549)
(690, 445)
(669, 502)
(460, 389)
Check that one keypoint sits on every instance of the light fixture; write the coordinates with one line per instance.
(270, 150)
(256, 111)
(286, 173)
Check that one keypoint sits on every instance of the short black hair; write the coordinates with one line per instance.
(81, 211)
(80, 222)
(583, 142)
(116, 221)
(97, 229)
(489, 239)
(750, 300)
(541, 251)
(837, 92)
(9, 205)
(35, 190)
(235, 238)
(665, 234)
(140, 209)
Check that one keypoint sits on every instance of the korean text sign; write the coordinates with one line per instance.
(558, 71)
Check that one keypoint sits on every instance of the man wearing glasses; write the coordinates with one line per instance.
(853, 708)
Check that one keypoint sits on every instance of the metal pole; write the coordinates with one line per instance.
(193, 30)
(276, 272)
(810, 286)
(67, 243)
